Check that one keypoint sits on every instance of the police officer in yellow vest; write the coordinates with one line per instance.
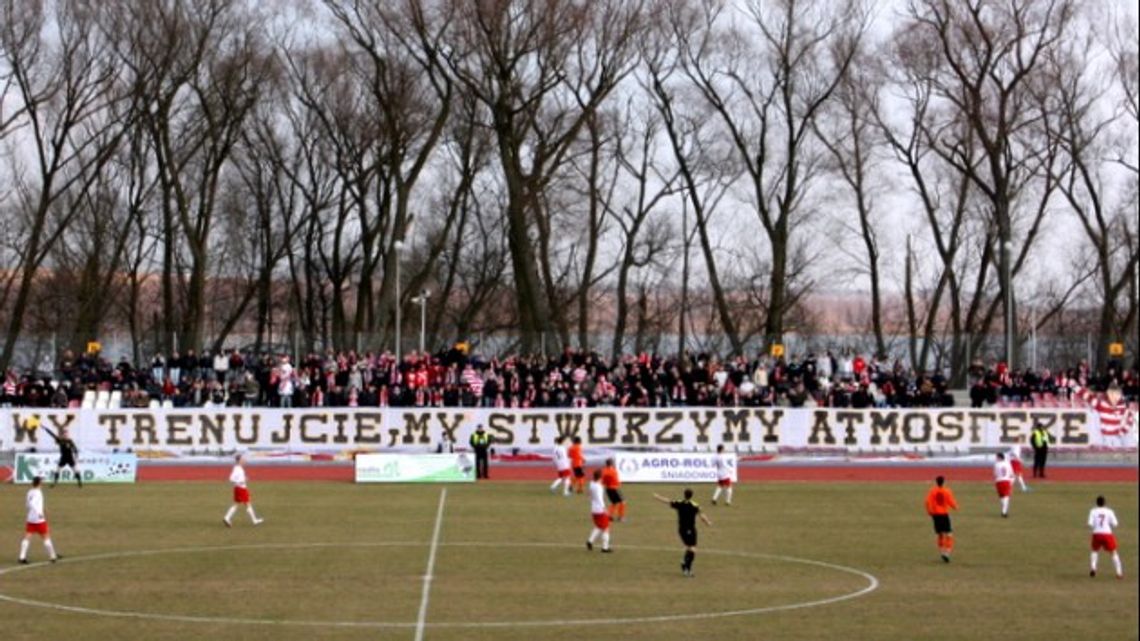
(1039, 438)
(481, 444)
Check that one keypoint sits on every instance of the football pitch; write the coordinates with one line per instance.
(507, 560)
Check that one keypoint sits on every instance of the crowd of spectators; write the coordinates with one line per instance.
(1026, 387)
(454, 378)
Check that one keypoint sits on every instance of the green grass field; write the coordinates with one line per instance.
(338, 561)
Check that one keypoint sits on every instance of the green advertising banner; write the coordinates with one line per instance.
(94, 468)
(415, 468)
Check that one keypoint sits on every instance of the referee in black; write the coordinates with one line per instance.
(687, 513)
(68, 452)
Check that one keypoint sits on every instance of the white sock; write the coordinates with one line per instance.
(50, 548)
(1117, 564)
(606, 540)
(554, 485)
(1005, 505)
(249, 511)
(566, 485)
(1021, 481)
(230, 512)
(24, 549)
(728, 495)
(1092, 561)
(594, 534)
(716, 494)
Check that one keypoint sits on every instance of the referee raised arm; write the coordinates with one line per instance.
(687, 513)
(68, 453)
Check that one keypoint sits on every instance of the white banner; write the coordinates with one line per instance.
(415, 468)
(95, 468)
(344, 432)
(669, 467)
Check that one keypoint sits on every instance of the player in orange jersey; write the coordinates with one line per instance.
(577, 464)
(939, 502)
(612, 483)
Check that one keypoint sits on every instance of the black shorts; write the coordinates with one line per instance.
(688, 537)
(579, 473)
(614, 495)
(66, 461)
(941, 523)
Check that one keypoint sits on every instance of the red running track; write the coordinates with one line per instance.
(836, 473)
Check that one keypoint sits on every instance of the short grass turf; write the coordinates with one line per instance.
(338, 561)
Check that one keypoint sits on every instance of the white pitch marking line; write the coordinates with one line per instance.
(873, 584)
(422, 619)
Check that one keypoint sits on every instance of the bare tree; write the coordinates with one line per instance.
(68, 109)
(767, 81)
(990, 59)
(198, 68)
(540, 69)
(1075, 102)
(848, 130)
(642, 239)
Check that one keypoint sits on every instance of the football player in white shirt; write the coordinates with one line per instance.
(1003, 481)
(241, 494)
(562, 465)
(36, 522)
(1015, 463)
(1101, 520)
(724, 464)
(599, 513)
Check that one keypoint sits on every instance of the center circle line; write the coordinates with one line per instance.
(871, 586)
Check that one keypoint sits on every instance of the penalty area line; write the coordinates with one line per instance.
(421, 620)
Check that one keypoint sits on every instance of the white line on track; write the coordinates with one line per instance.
(422, 619)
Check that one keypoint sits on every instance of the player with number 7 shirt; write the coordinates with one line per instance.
(1102, 520)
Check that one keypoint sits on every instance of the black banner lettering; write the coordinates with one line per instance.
(177, 426)
(633, 423)
(702, 428)
(448, 433)
(340, 436)
(976, 421)
(413, 424)
(254, 429)
(592, 422)
(1014, 427)
(1074, 428)
(908, 422)
(950, 429)
(215, 425)
(884, 421)
(144, 424)
(736, 419)
(534, 420)
(770, 420)
(501, 425)
(368, 428)
(668, 421)
(110, 421)
(819, 426)
(848, 420)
